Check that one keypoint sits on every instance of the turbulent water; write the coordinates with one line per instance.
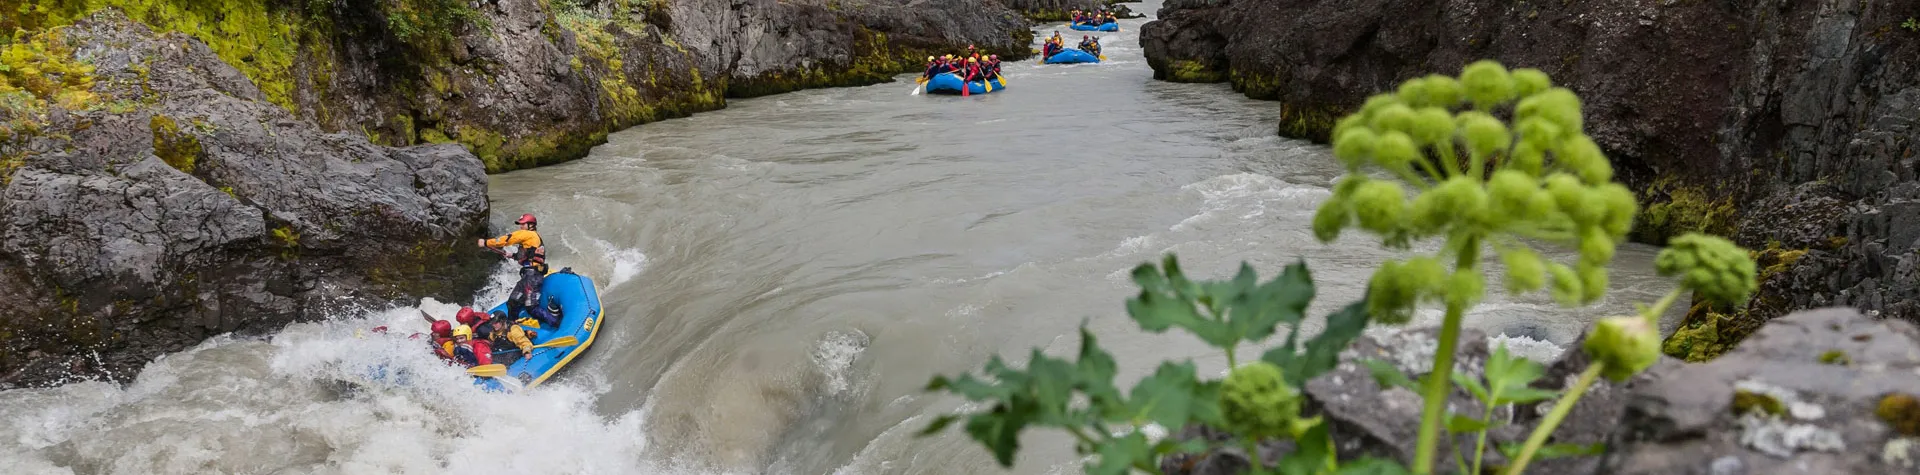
(780, 279)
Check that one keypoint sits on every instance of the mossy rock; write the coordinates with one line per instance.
(1194, 72)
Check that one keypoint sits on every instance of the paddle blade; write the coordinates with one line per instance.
(561, 341)
(490, 371)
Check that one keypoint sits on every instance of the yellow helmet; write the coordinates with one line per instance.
(929, 58)
(949, 56)
(463, 330)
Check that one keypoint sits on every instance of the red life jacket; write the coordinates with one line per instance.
(482, 352)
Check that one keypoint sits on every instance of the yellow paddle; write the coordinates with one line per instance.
(490, 371)
(561, 341)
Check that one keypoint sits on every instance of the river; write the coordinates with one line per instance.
(780, 279)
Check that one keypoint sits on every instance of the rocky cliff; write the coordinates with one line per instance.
(178, 169)
(155, 198)
(1788, 125)
(528, 82)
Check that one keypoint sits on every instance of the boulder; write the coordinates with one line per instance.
(179, 204)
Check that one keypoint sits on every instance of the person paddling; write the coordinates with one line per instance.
(527, 238)
(502, 333)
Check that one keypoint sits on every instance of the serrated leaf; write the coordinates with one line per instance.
(1166, 303)
(1120, 454)
(1166, 397)
(1310, 456)
(1388, 376)
(999, 430)
(1507, 371)
(1460, 424)
(1472, 385)
(1256, 310)
(1524, 395)
(1095, 371)
(1323, 352)
(939, 424)
(1052, 387)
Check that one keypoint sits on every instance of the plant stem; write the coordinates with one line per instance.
(1480, 446)
(1653, 313)
(1253, 453)
(1439, 383)
(1449, 160)
(1560, 410)
(1230, 361)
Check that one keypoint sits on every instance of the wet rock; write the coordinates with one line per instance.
(191, 207)
(1778, 403)
(1801, 115)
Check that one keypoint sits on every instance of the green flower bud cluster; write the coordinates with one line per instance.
(1713, 266)
(1535, 176)
(1258, 403)
(1627, 345)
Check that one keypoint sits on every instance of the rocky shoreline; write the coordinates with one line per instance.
(1789, 126)
(1819, 391)
(177, 170)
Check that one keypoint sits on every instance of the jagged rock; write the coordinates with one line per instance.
(1819, 375)
(1061, 10)
(184, 206)
(1742, 102)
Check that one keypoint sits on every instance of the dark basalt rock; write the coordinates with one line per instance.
(1804, 116)
(201, 209)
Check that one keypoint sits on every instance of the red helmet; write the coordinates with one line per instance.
(467, 316)
(526, 219)
(442, 329)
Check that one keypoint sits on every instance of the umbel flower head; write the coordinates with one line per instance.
(1257, 402)
(1494, 157)
(1713, 266)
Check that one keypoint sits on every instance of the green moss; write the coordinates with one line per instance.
(1700, 341)
(1747, 401)
(1193, 72)
(1677, 208)
(1902, 411)
(433, 135)
(1312, 121)
(1259, 86)
(1835, 357)
(180, 150)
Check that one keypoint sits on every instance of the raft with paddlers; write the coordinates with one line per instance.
(553, 347)
(950, 83)
(1071, 56)
(1091, 27)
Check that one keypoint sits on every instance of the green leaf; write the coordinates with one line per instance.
(1119, 455)
(1095, 371)
(1323, 351)
(1460, 424)
(1524, 395)
(1388, 376)
(1473, 385)
(999, 430)
(1255, 312)
(1168, 397)
(1167, 301)
(939, 424)
(1310, 456)
(1052, 387)
(1372, 466)
(1552, 451)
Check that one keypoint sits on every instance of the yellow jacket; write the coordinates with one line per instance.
(519, 237)
(519, 339)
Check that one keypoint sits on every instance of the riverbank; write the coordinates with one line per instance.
(182, 169)
(1786, 126)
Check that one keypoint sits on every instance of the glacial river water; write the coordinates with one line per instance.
(780, 280)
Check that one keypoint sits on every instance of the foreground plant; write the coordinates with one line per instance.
(1255, 402)
(1483, 185)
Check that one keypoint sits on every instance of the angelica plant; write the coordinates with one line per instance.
(1483, 184)
(1257, 401)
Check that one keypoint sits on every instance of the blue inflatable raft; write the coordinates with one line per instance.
(949, 83)
(1114, 26)
(580, 317)
(1071, 56)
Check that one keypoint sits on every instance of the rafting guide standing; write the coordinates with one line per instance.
(532, 256)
